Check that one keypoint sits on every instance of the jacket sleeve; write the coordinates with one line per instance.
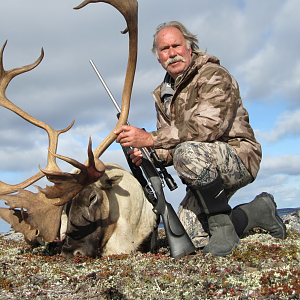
(203, 111)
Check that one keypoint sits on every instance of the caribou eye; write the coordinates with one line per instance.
(92, 198)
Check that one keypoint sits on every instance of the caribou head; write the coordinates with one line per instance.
(38, 214)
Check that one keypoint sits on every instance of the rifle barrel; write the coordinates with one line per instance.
(106, 88)
(143, 150)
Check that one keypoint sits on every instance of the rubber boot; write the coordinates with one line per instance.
(213, 202)
(261, 212)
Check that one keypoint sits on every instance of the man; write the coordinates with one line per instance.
(204, 131)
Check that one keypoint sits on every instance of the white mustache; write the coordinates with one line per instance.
(173, 60)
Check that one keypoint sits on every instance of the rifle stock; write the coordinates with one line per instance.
(178, 240)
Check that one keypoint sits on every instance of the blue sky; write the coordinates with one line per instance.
(257, 41)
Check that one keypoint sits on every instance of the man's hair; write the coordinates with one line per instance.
(190, 39)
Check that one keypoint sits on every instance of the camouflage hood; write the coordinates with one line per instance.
(206, 106)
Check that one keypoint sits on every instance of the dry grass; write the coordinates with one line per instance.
(262, 268)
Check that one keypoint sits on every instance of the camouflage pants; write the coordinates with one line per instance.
(198, 164)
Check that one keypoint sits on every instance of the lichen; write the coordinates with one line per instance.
(261, 268)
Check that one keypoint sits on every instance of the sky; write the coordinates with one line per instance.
(257, 41)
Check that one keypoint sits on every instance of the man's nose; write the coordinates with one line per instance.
(172, 52)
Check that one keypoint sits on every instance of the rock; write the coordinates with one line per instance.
(292, 221)
(11, 235)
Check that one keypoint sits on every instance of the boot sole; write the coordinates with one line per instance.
(221, 254)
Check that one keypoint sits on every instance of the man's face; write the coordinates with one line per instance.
(171, 47)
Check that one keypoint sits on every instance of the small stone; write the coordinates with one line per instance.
(292, 221)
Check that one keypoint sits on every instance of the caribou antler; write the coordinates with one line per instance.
(43, 209)
(5, 78)
(20, 220)
(129, 9)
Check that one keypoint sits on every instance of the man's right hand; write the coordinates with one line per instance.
(130, 136)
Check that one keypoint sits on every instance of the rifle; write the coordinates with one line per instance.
(179, 242)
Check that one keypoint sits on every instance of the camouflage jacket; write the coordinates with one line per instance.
(206, 106)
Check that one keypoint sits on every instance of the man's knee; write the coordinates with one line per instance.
(193, 161)
(183, 153)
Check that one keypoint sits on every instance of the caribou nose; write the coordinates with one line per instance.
(79, 248)
(85, 252)
(79, 252)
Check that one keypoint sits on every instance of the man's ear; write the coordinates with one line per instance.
(190, 51)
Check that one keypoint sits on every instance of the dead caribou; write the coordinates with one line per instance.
(106, 206)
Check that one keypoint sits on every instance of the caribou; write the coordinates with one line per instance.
(106, 207)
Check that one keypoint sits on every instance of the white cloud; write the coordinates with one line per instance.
(274, 66)
(287, 125)
(285, 165)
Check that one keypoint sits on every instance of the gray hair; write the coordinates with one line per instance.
(190, 39)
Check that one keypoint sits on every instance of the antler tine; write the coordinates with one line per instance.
(5, 78)
(129, 9)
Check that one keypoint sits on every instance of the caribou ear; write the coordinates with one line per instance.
(110, 179)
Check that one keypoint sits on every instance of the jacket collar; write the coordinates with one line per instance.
(198, 61)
